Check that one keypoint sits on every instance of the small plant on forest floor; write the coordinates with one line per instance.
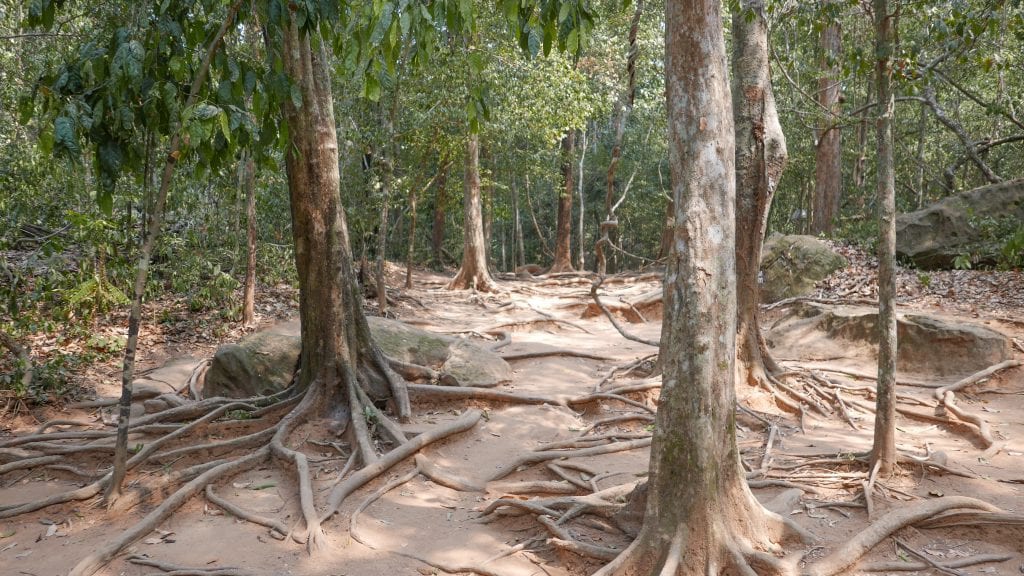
(963, 261)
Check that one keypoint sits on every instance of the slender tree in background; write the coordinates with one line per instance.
(249, 286)
(883, 452)
(440, 217)
(563, 225)
(473, 273)
(623, 108)
(701, 517)
(828, 157)
(760, 160)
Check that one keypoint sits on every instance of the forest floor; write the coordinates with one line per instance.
(422, 520)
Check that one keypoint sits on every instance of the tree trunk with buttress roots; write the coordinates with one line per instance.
(337, 349)
(473, 273)
(700, 517)
(760, 159)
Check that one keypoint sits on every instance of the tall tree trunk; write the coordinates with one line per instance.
(828, 158)
(563, 228)
(883, 451)
(581, 253)
(701, 517)
(338, 353)
(760, 159)
(389, 153)
(440, 207)
(519, 248)
(473, 273)
(249, 290)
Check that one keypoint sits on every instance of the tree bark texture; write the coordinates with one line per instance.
(699, 510)
(473, 273)
(760, 160)
(883, 452)
(828, 158)
(563, 228)
(337, 349)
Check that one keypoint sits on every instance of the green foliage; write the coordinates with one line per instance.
(963, 261)
(94, 296)
(1011, 255)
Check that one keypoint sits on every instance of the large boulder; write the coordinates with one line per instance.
(928, 345)
(263, 362)
(934, 236)
(791, 265)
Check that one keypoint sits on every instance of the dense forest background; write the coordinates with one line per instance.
(87, 95)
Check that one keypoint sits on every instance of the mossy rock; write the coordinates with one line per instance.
(791, 265)
(264, 362)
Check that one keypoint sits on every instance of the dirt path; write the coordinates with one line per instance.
(422, 519)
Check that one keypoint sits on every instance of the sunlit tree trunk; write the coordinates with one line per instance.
(473, 273)
(563, 227)
(883, 452)
(440, 218)
(760, 159)
(337, 349)
(701, 518)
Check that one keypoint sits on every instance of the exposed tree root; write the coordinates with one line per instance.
(241, 513)
(905, 566)
(846, 555)
(546, 455)
(168, 569)
(467, 420)
(611, 317)
(548, 353)
(563, 539)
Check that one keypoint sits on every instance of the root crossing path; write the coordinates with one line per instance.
(539, 483)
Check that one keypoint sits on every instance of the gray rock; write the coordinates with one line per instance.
(928, 345)
(264, 362)
(467, 363)
(261, 363)
(791, 265)
(934, 236)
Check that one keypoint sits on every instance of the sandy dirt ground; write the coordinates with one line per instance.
(418, 525)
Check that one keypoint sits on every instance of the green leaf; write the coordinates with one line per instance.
(296, 96)
(371, 87)
(222, 118)
(26, 106)
(563, 12)
(572, 42)
(105, 201)
(65, 141)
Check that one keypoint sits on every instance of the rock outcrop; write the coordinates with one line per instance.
(934, 236)
(791, 265)
(928, 345)
(263, 363)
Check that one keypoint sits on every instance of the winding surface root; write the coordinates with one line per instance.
(168, 435)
